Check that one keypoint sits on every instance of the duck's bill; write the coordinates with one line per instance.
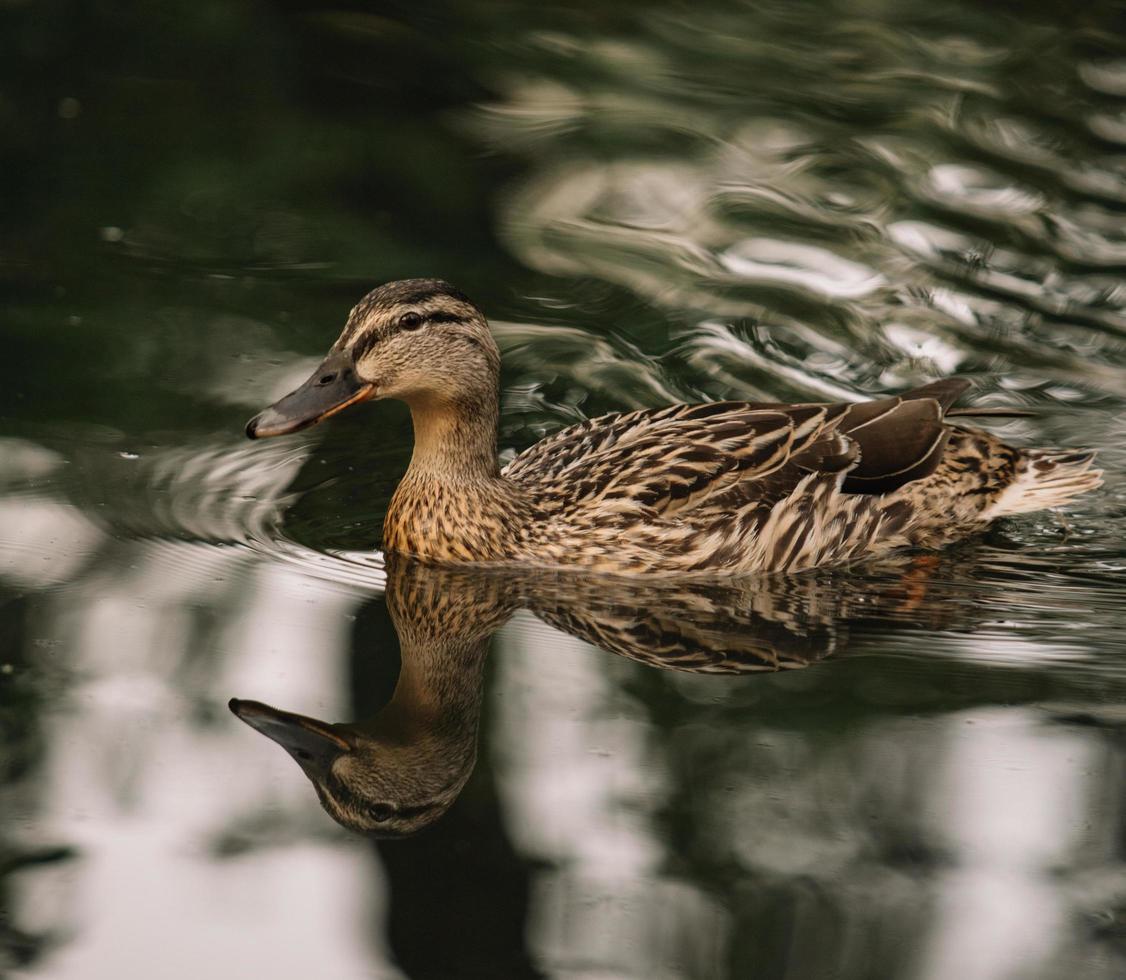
(331, 388)
(312, 743)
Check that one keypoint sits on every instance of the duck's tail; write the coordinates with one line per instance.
(1047, 478)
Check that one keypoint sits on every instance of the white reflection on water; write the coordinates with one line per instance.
(1009, 797)
(144, 791)
(43, 542)
(817, 270)
(581, 787)
(576, 784)
(285, 913)
(978, 190)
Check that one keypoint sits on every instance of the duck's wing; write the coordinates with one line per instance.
(668, 460)
(689, 459)
(899, 439)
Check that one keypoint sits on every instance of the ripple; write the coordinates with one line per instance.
(849, 187)
(223, 493)
(816, 270)
(1108, 77)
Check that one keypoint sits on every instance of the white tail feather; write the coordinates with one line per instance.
(1046, 478)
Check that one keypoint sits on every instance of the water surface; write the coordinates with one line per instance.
(906, 771)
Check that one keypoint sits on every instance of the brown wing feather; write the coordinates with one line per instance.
(551, 457)
(725, 456)
(904, 441)
(900, 439)
(668, 460)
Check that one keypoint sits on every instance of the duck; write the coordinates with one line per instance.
(724, 487)
(398, 772)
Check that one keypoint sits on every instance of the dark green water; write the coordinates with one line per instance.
(653, 202)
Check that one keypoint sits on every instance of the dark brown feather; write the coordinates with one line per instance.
(904, 442)
(972, 412)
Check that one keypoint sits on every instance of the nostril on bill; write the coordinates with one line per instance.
(326, 379)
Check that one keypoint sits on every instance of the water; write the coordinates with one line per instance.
(654, 203)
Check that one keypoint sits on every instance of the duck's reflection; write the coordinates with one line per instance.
(399, 771)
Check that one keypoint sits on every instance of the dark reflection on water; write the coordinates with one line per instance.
(654, 203)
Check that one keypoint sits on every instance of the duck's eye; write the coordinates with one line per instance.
(381, 812)
(411, 321)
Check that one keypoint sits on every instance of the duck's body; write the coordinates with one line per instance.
(724, 487)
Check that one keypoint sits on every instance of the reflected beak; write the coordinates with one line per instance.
(331, 388)
(313, 744)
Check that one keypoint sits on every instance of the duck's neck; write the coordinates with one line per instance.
(455, 442)
(453, 504)
(438, 692)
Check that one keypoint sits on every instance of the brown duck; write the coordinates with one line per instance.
(721, 487)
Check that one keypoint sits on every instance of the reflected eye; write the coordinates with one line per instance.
(411, 321)
(381, 812)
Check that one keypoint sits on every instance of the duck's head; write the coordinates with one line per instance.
(372, 784)
(418, 340)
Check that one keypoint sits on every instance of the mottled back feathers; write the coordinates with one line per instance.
(676, 459)
(740, 486)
